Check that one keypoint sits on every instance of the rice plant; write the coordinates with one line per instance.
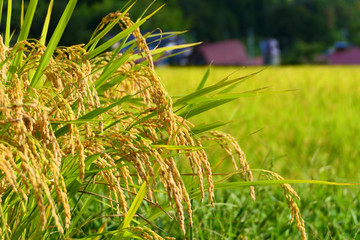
(87, 135)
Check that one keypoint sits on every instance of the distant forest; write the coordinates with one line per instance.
(302, 27)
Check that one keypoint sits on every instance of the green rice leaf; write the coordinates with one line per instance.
(114, 40)
(78, 121)
(24, 32)
(164, 35)
(8, 24)
(221, 84)
(92, 114)
(227, 96)
(4, 221)
(164, 49)
(158, 212)
(118, 37)
(204, 107)
(108, 234)
(153, 114)
(111, 83)
(84, 207)
(147, 9)
(176, 147)
(205, 78)
(207, 127)
(25, 28)
(95, 38)
(73, 188)
(1, 9)
(55, 38)
(133, 209)
(229, 185)
(112, 66)
(22, 13)
(46, 23)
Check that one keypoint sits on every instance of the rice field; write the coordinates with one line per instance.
(308, 132)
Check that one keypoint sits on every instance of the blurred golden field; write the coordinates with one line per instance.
(309, 132)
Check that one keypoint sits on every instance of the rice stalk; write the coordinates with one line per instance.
(67, 94)
(83, 111)
(289, 193)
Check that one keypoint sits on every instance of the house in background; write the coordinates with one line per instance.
(225, 53)
(341, 54)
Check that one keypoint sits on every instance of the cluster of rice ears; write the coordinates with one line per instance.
(78, 122)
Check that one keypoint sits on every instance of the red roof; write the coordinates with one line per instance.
(347, 56)
(229, 52)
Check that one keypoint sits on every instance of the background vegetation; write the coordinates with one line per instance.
(312, 127)
(312, 25)
(308, 133)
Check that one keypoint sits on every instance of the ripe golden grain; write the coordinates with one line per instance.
(71, 77)
(69, 94)
(225, 140)
(289, 192)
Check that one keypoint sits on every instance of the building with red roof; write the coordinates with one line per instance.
(348, 56)
(225, 53)
(341, 54)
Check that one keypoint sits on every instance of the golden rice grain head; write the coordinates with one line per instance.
(173, 185)
(179, 193)
(295, 212)
(61, 191)
(6, 166)
(208, 171)
(188, 204)
(225, 139)
(112, 181)
(54, 213)
(146, 233)
(194, 156)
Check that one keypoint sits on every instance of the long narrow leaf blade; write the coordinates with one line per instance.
(24, 32)
(35, 82)
(22, 13)
(8, 24)
(204, 107)
(46, 23)
(205, 78)
(250, 93)
(92, 114)
(207, 127)
(118, 37)
(164, 49)
(221, 84)
(177, 147)
(1, 9)
(133, 209)
(228, 185)
(107, 29)
(30, 12)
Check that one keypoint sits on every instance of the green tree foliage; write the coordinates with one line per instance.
(319, 22)
(311, 22)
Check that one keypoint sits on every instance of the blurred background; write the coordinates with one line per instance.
(256, 32)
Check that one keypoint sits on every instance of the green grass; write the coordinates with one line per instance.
(309, 133)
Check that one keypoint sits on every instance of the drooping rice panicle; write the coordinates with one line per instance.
(115, 127)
